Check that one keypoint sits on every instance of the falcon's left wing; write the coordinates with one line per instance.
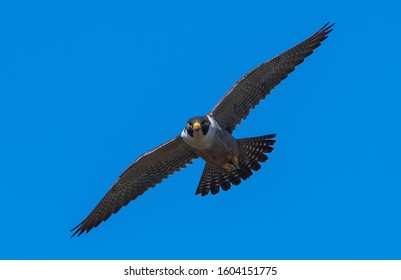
(257, 84)
(147, 171)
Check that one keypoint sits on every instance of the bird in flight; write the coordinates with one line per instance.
(228, 160)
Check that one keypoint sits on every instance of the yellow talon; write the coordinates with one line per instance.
(229, 167)
(234, 160)
(232, 165)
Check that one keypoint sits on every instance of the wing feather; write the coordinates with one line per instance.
(147, 171)
(257, 84)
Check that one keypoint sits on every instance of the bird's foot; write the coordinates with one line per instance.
(232, 165)
(235, 161)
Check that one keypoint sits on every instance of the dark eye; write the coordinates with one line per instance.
(189, 124)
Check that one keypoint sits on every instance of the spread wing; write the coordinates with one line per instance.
(147, 171)
(257, 84)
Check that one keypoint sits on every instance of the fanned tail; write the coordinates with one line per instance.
(252, 151)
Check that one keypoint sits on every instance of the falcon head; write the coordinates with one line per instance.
(199, 132)
(197, 126)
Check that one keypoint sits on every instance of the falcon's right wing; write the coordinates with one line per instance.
(147, 171)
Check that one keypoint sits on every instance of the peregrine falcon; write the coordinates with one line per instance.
(228, 160)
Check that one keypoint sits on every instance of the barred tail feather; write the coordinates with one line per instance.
(252, 152)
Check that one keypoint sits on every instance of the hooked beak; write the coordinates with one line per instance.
(196, 126)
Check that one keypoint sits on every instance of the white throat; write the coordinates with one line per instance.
(200, 141)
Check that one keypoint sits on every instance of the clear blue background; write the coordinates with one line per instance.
(88, 86)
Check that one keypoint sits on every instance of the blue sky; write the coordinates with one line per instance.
(88, 86)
